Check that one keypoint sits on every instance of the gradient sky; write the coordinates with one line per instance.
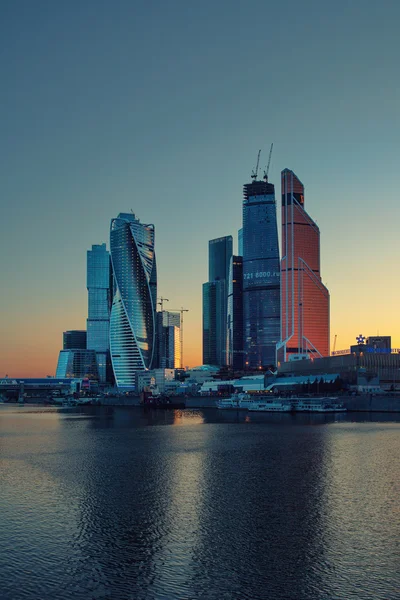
(161, 107)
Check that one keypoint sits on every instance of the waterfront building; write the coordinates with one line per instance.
(304, 298)
(235, 314)
(77, 364)
(381, 342)
(133, 312)
(99, 285)
(261, 275)
(74, 339)
(360, 365)
(215, 297)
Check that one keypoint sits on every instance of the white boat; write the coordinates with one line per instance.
(271, 405)
(319, 405)
(236, 402)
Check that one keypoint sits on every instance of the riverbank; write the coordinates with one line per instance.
(361, 403)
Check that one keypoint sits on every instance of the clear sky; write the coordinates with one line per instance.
(161, 107)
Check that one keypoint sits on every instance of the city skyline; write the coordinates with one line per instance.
(92, 127)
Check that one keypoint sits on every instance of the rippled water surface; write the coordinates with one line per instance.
(123, 503)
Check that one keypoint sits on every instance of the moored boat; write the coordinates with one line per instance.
(235, 402)
(271, 405)
(318, 405)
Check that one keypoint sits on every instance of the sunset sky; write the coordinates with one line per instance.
(161, 107)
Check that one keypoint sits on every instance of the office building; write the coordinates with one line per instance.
(235, 314)
(99, 285)
(261, 275)
(215, 298)
(305, 300)
(77, 364)
(74, 340)
(133, 312)
(168, 340)
(240, 242)
(380, 342)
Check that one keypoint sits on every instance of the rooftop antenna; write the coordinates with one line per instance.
(269, 162)
(254, 173)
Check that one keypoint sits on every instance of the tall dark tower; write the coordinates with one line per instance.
(261, 275)
(234, 341)
(215, 298)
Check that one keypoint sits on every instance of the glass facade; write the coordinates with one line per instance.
(214, 323)
(168, 340)
(74, 339)
(215, 298)
(133, 312)
(305, 300)
(261, 275)
(99, 285)
(240, 242)
(77, 364)
(234, 350)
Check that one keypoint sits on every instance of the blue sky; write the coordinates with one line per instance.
(161, 107)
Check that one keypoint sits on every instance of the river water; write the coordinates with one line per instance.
(131, 503)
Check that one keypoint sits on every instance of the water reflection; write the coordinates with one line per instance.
(129, 503)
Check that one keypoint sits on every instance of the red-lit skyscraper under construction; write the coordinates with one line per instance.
(304, 298)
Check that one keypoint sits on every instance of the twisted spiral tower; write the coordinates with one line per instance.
(132, 321)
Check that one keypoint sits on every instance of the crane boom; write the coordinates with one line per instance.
(269, 162)
(255, 173)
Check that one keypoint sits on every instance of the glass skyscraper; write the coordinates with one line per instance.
(261, 275)
(305, 300)
(77, 363)
(168, 339)
(133, 312)
(215, 298)
(99, 306)
(74, 339)
(234, 342)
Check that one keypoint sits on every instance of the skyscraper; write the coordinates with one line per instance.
(133, 312)
(305, 300)
(168, 340)
(234, 349)
(74, 339)
(215, 297)
(99, 284)
(261, 275)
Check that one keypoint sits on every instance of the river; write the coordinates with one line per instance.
(133, 503)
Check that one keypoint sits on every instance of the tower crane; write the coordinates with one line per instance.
(161, 302)
(255, 172)
(269, 162)
(181, 310)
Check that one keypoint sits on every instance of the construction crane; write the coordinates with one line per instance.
(161, 302)
(269, 162)
(181, 310)
(255, 173)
